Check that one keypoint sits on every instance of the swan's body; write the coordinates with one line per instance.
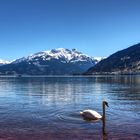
(91, 114)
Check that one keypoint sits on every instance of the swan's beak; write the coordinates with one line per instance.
(106, 103)
(81, 113)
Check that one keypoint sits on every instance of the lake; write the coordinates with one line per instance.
(47, 108)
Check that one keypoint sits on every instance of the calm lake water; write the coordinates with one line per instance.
(37, 108)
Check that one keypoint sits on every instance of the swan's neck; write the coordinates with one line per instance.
(103, 112)
(103, 118)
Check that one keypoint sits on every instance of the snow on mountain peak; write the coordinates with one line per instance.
(62, 54)
(58, 53)
(2, 62)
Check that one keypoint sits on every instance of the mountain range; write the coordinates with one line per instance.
(126, 61)
(53, 62)
(68, 62)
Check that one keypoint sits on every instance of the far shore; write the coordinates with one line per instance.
(93, 75)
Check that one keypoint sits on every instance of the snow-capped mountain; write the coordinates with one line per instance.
(99, 58)
(64, 55)
(3, 62)
(53, 62)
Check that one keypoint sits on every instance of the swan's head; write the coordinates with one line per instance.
(105, 103)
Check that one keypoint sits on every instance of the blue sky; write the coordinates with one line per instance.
(94, 27)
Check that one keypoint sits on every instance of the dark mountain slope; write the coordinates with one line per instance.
(124, 61)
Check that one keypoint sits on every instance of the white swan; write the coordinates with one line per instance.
(93, 115)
